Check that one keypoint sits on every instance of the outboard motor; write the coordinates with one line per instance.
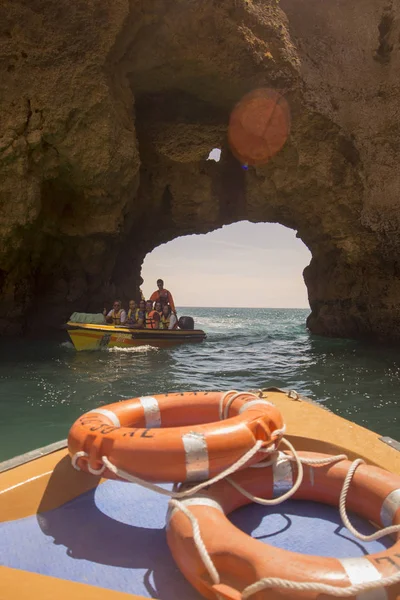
(186, 323)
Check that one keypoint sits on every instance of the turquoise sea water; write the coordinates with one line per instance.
(46, 385)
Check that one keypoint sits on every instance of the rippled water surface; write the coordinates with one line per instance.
(44, 386)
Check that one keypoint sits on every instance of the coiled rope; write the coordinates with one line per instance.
(287, 583)
(223, 413)
(202, 550)
(332, 590)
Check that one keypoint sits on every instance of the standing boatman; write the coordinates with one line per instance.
(164, 296)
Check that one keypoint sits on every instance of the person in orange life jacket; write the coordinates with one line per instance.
(168, 319)
(116, 316)
(132, 316)
(152, 316)
(163, 296)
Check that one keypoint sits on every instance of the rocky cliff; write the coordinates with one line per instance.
(108, 111)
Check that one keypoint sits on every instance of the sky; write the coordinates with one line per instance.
(240, 265)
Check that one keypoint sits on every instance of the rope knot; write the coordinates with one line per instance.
(82, 454)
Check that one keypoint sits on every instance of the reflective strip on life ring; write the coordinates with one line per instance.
(175, 437)
(241, 560)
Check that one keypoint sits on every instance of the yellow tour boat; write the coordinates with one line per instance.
(67, 533)
(88, 336)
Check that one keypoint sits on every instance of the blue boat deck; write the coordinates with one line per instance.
(114, 537)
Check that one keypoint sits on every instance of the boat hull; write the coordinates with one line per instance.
(66, 533)
(97, 337)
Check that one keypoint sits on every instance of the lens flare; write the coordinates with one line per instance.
(259, 126)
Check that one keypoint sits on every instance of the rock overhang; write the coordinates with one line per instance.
(108, 120)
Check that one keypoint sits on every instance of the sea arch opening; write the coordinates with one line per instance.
(245, 264)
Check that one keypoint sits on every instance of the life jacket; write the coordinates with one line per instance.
(133, 316)
(116, 317)
(162, 297)
(151, 320)
(141, 315)
(165, 321)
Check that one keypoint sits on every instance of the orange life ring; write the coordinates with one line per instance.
(241, 560)
(174, 437)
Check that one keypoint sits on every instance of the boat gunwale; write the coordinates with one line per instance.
(31, 455)
(136, 331)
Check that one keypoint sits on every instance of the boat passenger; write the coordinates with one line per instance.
(141, 315)
(168, 319)
(158, 308)
(132, 316)
(163, 296)
(116, 316)
(152, 316)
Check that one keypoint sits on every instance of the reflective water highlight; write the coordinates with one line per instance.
(45, 385)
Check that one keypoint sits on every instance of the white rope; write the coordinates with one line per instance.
(74, 459)
(299, 462)
(288, 584)
(74, 463)
(305, 461)
(286, 495)
(229, 471)
(221, 403)
(156, 488)
(174, 494)
(305, 586)
(277, 433)
(321, 587)
(96, 471)
(267, 462)
(328, 460)
(189, 492)
(271, 581)
(198, 540)
(224, 410)
(345, 519)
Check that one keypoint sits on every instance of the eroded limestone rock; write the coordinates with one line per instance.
(108, 111)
